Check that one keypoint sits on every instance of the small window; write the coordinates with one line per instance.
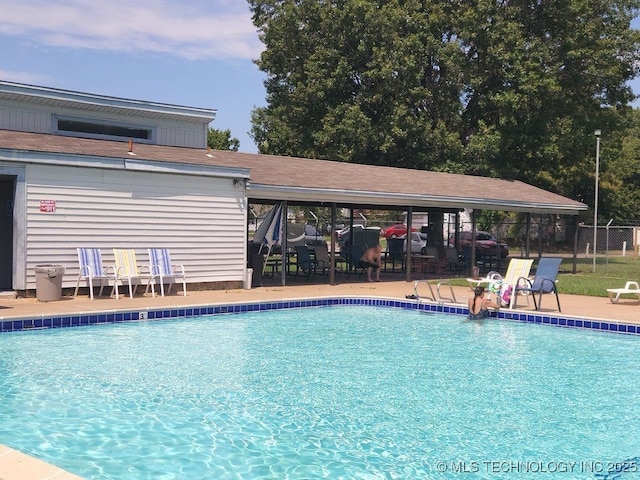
(97, 129)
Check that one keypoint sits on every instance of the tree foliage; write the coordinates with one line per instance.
(503, 88)
(222, 140)
(619, 189)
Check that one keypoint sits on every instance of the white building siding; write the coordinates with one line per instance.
(202, 220)
(25, 118)
(180, 137)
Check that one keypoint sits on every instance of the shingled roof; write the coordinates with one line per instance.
(306, 180)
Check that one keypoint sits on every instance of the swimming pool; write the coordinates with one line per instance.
(334, 392)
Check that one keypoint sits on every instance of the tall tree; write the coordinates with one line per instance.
(619, 190)
(222, 140)
(501, 88)
(541, 77)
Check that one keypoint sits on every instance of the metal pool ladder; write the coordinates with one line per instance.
(433, 296)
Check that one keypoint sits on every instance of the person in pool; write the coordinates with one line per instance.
(479, 306)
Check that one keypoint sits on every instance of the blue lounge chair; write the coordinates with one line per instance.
(544, 282)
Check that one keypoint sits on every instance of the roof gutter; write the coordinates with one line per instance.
(292, 194)
(115, 163)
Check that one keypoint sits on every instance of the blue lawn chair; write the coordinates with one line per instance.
(544, 281)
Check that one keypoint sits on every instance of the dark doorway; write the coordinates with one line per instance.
(7, 195)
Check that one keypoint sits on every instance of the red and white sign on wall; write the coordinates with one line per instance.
(47, 206)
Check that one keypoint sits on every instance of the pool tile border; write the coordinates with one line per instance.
(99, 318)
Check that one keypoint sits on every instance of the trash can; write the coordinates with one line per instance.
(49, 282)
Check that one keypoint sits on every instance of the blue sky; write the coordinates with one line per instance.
(196, 53)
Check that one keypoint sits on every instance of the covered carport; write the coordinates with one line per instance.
(299, 181)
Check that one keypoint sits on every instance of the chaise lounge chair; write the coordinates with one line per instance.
(630, 288)
(484, 281)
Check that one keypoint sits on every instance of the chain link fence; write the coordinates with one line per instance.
(615, 240)
(548, 234)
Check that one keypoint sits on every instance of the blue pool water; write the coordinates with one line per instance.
(336, 392)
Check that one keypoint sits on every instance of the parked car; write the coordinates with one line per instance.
(312, 237)
(486, 244)
(418, 242)
(344, 234)
(339, 226)
(397, 230)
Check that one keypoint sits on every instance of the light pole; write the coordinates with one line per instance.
(595, 203)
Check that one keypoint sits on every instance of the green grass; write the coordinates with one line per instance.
(612, 275)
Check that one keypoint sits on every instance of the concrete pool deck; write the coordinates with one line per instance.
(575, 306)
(18, 466)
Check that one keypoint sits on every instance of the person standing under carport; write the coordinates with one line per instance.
(372, 260)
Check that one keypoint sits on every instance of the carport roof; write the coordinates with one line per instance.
(305, 180)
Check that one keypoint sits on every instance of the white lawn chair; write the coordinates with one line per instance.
(166, 272)
(92, 270)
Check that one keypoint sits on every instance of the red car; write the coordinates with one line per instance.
(397, 230)
(486, 244)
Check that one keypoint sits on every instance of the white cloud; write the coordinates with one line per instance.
(195, 29)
